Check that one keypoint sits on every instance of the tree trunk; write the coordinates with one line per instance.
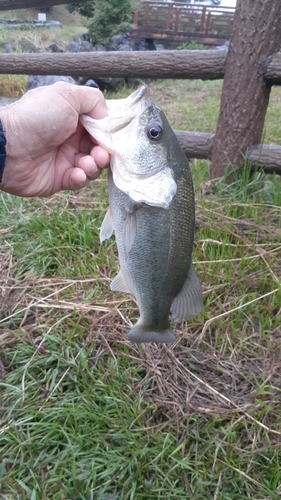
(26, 4)
(203, 64)
(256, 35)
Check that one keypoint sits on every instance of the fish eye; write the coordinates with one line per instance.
(154, 132)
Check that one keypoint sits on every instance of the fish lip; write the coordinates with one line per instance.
(124, 106)
(119, 115)
(140, 92)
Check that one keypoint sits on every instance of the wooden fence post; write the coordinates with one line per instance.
(256, 35)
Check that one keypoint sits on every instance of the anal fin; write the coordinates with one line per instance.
(118, 284)
(189, 301)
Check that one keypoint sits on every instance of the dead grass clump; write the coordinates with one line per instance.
(181, 379)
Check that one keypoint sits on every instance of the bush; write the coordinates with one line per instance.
(106, 18)
(191, 46)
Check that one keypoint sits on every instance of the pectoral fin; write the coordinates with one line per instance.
(107, 226)
(129, 231)
(189, 301)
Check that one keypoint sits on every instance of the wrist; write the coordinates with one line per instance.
(2, 151)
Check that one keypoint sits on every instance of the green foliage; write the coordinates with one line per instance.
(110, 17)
(84, 8)
(106, 18)
(12, 85)
(191, 46)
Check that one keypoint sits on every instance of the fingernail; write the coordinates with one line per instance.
(84, 180)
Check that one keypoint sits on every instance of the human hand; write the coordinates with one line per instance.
(48, 149)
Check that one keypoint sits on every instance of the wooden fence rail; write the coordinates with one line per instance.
(173, 64)
(204, 65)
(200, 145)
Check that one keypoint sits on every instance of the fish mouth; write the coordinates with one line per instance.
(123, 105)
(121, 112)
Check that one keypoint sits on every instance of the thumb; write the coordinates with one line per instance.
(86, 100)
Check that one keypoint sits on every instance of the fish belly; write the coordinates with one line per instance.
(154, 247)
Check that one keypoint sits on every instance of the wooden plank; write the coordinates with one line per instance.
(136, 18)
(146, 16)
(176, 26)
(187, 37)
(207, 25)
(169, 17)
(188, 26)
(203, 19)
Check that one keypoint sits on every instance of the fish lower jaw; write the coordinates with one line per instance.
(139, 335)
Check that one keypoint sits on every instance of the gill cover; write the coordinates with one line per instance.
(134, 135)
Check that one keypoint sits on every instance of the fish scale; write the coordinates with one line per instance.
(155, 235)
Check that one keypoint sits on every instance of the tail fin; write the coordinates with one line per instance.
(139, 335)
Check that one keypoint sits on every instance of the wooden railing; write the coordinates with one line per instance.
(182, 22)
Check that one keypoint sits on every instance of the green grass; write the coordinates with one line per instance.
(86, 415)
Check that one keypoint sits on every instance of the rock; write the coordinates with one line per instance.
(54, 48)
(86, 46)
(121, 40)
(116, 41)
(110, 83)
(125, 47)
(46, 24)
(150, 45)
(137, 82)
(225, 46)
(73, 47)
(8, 47)
(86, 37)
(35, 81)
(99, 48)
(91, 83)
(139, 43)
(124, 41)
(79, 44)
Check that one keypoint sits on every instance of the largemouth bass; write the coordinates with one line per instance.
(152, 212)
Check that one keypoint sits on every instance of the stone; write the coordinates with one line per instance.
(35, 81)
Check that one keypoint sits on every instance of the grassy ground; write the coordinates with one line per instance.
(85, 414)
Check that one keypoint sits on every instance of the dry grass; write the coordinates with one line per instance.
(206, 370)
